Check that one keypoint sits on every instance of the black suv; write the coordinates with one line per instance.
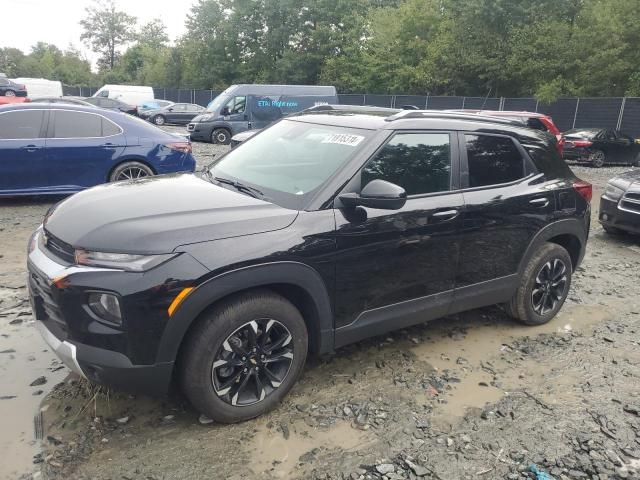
(326, 228)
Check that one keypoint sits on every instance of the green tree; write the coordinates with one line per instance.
(106, 30)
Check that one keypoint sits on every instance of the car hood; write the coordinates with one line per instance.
(627, 179)
(158, 214)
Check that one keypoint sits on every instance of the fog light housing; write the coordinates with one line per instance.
(106, 306)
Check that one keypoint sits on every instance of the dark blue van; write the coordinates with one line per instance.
(246, 107)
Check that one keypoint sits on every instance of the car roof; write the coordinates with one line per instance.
(52, 106)
(378, 118)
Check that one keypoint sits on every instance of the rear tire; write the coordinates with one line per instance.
(221, 136)
(225, 385)
(130, 171)
(597, 158)
(9, 93)
(544, 286)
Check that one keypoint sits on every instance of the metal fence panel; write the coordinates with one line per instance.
(351, 99)
(596, 112)
(562, 110)
(419, 101)
(378, 100)
(202, 97)
(444, 103)
(520, 104)
(481, 103)
(631, 117)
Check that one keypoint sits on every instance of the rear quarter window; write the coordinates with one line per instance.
(547, 160)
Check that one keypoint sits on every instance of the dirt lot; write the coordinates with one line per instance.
(466, 397)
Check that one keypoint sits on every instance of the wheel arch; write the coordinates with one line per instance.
(297, 282)
(569, 234)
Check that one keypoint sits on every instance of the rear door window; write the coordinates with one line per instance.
(493, 160)
(69, 124)
(23, 124)
(536, 124)
(418, 162)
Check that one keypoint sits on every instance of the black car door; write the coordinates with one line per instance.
(397, 267)
(177, 113)
(506, 204)
(624, 148)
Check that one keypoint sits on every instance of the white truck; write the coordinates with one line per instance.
(41, 87)
(132, 94)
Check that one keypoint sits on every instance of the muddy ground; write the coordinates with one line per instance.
(470, 396)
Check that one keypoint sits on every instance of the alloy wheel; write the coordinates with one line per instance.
(549, 287)
(597, 158)
(131, 173)
(159, 120)
(9, 93)
(252, 362)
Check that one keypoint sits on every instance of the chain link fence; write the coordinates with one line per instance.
(621, 113)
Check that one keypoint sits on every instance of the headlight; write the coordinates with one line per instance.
(613, 192)
(122, 261)
(33, 240)
(106, 306)
(205, 117)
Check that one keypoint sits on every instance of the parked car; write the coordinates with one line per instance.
(326, 228)
(246, 107)
(537, 121)
(9, 88)
(178, 113)
(132, 94)
(152, 105)
(241, 137)
(620, 204)
(61, 149)
(110, 104)
(12, 100)
(599, 146)
(65, 100)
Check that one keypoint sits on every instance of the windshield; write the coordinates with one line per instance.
(291, 160)
(217, 102)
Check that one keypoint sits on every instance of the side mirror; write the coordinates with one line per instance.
(170, 109)
(378, 194)
(225, 111)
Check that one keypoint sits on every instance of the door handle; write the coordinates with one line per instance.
(108, 145)
(445, 215)
(31, 148)
(540, 202)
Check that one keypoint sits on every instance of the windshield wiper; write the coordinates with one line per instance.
(241, 187)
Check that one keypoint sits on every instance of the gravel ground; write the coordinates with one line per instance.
(466, 397)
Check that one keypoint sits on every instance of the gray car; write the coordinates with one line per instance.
(177, 113)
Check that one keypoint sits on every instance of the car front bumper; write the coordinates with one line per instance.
(200, 130)
(124, 358)
(613, 214)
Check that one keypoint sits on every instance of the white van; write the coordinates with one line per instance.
(132, 94)
(41, 87)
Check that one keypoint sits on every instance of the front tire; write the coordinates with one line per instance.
(159, 120)
(130, 171)
(221, 136)
(544, 286)
(244, 356)
(597, 158)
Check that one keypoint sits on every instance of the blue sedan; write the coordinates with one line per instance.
(61, 149)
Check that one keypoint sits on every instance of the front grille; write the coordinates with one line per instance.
(630, 202)
(59, 248)
(43, 299)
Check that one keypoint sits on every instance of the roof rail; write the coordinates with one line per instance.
(349, 109)
(406, 114)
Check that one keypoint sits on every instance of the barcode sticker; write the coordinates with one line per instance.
(343, 139)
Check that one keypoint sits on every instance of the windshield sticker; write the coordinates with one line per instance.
(343, 139)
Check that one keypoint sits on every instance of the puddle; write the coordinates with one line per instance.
(280, 456)
(464, 345)
(17, 370)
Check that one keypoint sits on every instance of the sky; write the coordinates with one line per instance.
(56, 21)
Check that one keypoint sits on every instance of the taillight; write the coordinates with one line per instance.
(582, 143)
(560, 144)
(184, 147)
(585, 189)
